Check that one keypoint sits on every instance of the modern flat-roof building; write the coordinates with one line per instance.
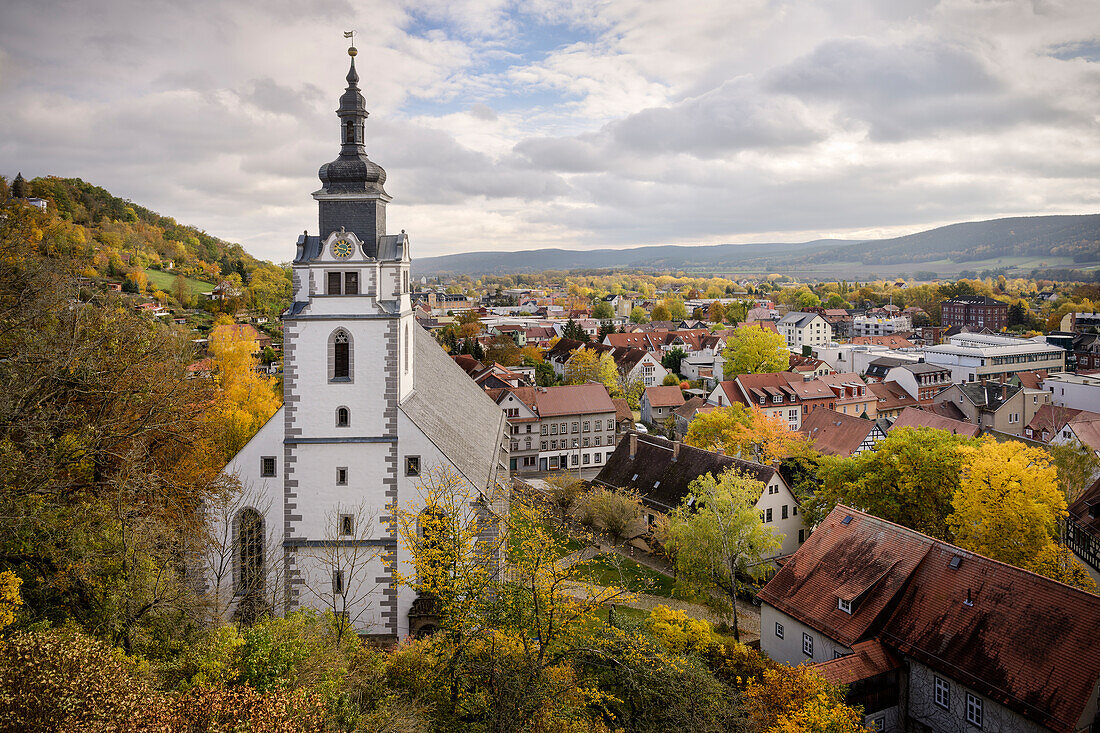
(972, 357)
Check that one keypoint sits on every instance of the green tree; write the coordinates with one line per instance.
(717, 538)
(638, 315)
(672, 359)
(676, 309)
(670, 380)
(572, 330)
(661, 313)
(909, 478)
(753, 350)
(602, 310)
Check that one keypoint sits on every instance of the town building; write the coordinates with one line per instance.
(372, 405)
(804, 330)
(1004, 408)
(774, 394)
(661, 471)
(836, 434)
(931, 637)
(975, 311)
(1073, 390)
(658, 403)
(922, 381)
(892, 399)
(972, 357)
(1058, 425)
(913, 417)
(851, 395)
(880, 325)
(1082, 534)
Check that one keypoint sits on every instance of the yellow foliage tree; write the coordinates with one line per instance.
(753, 350)
(798, 700)
(1008, 503)
(10, 600)
(245, 399)
(677, 631)
(588, 365)
(1055, 561)
(746, 432)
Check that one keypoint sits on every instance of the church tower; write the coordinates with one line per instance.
(371, 403)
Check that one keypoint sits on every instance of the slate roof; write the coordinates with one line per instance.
(661, 481)
(1013, 636)
(454, 413)
(798, 318)
(912, 417)
(834, 433)
(988, 396)
(664, 396)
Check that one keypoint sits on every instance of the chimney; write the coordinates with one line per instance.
(675, 449)
(633, 445)
(1004, 391)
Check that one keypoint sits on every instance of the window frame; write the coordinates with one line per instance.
(343, 417)
(274, 467)
(779, 630)
(843, 605)
(341, 475)
(807, 645)
(412, 465)
(975, 710)
(940, 685)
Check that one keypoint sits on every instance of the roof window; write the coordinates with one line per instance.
(956, 561)
(847, 520)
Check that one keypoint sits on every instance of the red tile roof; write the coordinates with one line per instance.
(664, 396)
(868, 659)
(622, 409)
(893, 341)
(912, 417)
(835, 433)
(891, 396)
(1020, 639)
(573, 399)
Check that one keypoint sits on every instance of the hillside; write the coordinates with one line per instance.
(1018, 243)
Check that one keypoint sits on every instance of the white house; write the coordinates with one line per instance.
(372, 405)
(804, 329)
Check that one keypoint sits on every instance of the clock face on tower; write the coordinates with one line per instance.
(342, 248)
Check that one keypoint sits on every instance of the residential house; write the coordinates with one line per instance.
(922, 381)
(976, 311)
(912, 417)
(1057, 425)
(1082, 530)
(774, 394)
(1081, 322)
(685, 413)
(225, 290)
(661, 471)
(836, 434)
(852, 395)
(552, 428)
(804, 330)
(972, 357)
(878, 368)
(880, 325)
(931, 637)
(892, 399)
(659, 402)
(624, 416)
(807, 366)
(1004, 408)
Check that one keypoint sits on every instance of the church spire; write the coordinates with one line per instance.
(352, 194)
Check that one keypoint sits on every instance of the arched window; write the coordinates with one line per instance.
(343, 417)
(341, 355)
(250, 553)
(349, 132)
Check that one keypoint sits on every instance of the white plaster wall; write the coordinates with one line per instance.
(787, 528)
(318, 494)
(1078, 396)
(788, 650)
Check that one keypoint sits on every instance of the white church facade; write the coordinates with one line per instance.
(371, 403)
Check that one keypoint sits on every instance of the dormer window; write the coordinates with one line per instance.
(844, 605)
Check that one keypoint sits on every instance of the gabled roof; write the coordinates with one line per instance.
(692, 406)
(572, 399)
(468, 364)
(664, 396)
(798, 319)
(891, 396)
(868, 659)
(622, 409)
(835, 433)
(1081, 510)
(562, 348)
(912, 417)
(454, 413)
(1053, 418)
(988, 396)
(661, 481)
(856, 559)
(1031, 380)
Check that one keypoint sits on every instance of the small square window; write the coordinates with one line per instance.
(844, 605)
(412, 465)
(779, 629)
(974, 710)
(267, 466)
(807, 645)
(878, 724)
(342, 476)
(347, 524)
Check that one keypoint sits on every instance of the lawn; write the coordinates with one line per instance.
(164, 281)
(612, 570)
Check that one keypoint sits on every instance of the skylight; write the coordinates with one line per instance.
(847, 520)
(955, 562)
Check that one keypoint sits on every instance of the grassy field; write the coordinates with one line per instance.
(612, 570)
(164, 281)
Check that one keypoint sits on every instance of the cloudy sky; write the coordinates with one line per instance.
(517, 124)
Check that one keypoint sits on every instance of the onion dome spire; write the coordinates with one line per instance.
(352, 172)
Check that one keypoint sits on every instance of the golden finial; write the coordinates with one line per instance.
(352, 50)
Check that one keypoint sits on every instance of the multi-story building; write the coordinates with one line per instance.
(976, 311)
(658, 403)
(553, 428)
(880, 325)
(1083, 530)
(1073, 390)
(852, 397)
(930, 637)
(972, 357)
(922, 381)
(804, 329)
(1004, 408)
(775, 395)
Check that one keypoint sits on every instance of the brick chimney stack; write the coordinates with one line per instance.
(633, 445)
(675, 450)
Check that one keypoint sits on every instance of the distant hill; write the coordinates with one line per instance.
(1023, 242)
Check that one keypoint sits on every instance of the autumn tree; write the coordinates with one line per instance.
(661, 313)
(589, 365)
(753, 350)
(1077, 466)
(503, 350)
(246, 399)
(638, 315)
(746, 432)
(1008, 505)
(798, 700)
(602, 310)
(909, 478)
(717, 538)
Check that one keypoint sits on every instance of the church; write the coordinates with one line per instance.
(371, 405)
